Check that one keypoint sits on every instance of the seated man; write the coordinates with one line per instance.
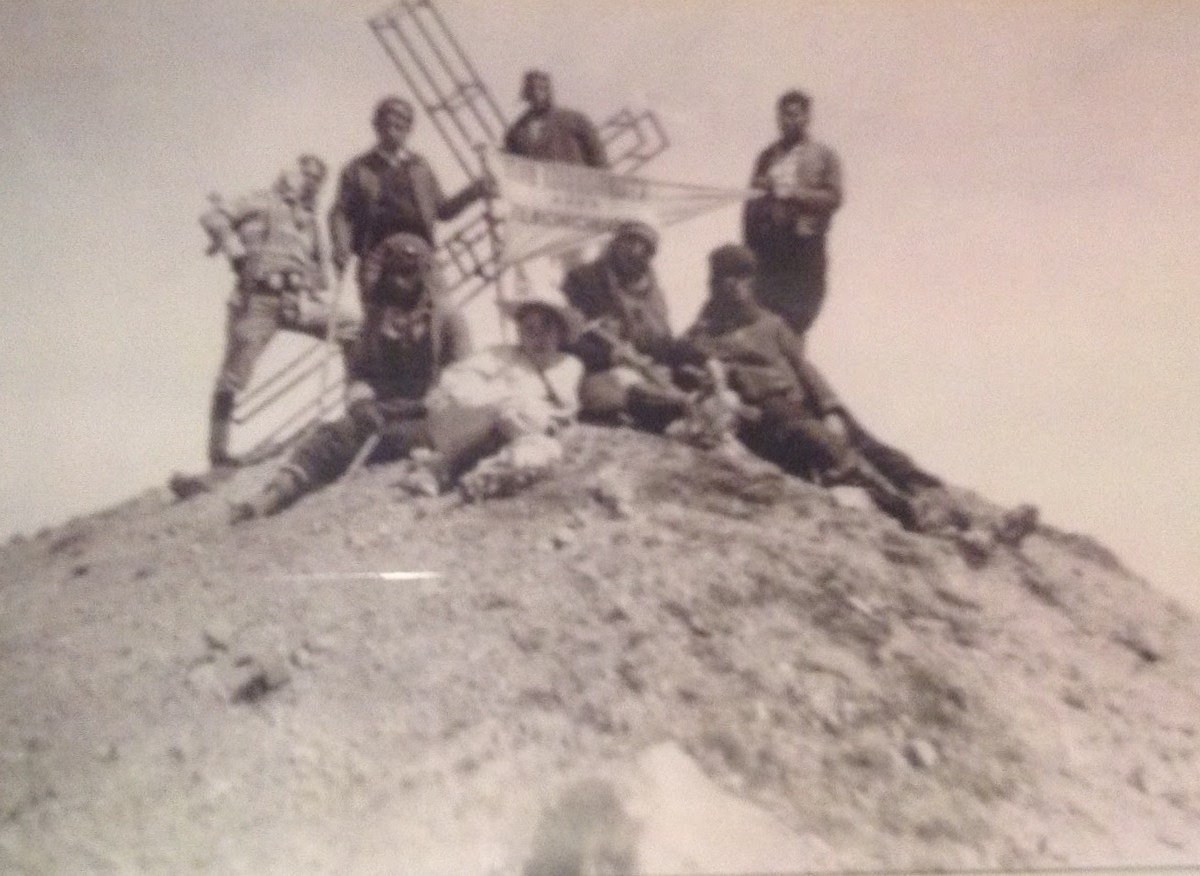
(795, 419)
(626, 333)
(792, 416)
(407, 338)
(505, 406)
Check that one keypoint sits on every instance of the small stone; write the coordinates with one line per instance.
(303, 658)
(1074, 698)
(261, 679)
(976, 546)
(107, 753)
(921, 753)
(80, 570)
(562, 538)
(218, 634)
(613, 491)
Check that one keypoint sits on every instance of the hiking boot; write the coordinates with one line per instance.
(1015, 524)
(219, 419)
(426, 474)
(185, 486)
(285, 488)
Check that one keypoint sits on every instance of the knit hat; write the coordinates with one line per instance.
(399, 254)
(637, 229)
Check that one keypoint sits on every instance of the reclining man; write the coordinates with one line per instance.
(792, 417)
(626, 335)
(408, 337)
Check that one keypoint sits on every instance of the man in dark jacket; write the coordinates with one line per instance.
(786, 226)
(390, 190)
(626, 332)
(550, 133)
(797, 420)
(407, 338)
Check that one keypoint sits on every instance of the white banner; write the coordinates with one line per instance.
(548, 207)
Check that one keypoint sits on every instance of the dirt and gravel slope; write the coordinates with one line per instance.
(182, 696)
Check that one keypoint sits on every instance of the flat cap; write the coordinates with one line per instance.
(732, 259)
(393, 104)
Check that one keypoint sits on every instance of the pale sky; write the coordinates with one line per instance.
(1014, 271)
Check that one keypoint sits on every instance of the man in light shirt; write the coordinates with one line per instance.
(786, 226)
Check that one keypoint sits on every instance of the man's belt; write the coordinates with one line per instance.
(278, 282)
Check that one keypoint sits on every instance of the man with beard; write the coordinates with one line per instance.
(546, 132)
(786, 226)
(408, 337)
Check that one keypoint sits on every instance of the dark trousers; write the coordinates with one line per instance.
(325, 454)
(792, 283)
(792, 436)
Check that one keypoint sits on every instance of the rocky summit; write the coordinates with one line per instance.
(661, 660)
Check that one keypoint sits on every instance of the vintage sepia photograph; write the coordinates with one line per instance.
(633, 437)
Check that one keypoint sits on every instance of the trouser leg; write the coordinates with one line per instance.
(654, 408)
(796, 439)
(220, 416)
(794, 286)
(896, 465)
(318, 459)
(252, 322)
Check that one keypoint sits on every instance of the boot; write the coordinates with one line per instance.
(218, 428)
(288, 485)
(652, 409)
(883, 493)
(1015, 524)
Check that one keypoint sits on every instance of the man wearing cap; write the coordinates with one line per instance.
(546, 132)
(273, 244)
(626, 334)
(796, 419)
(787, 225)
(408, 337)
(390, 190)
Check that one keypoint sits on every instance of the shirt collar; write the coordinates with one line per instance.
(395, 160)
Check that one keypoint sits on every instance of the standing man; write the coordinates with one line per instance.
(549, 133)
(786, 226)
(272, 242)
(627, 332)
(391, 190)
